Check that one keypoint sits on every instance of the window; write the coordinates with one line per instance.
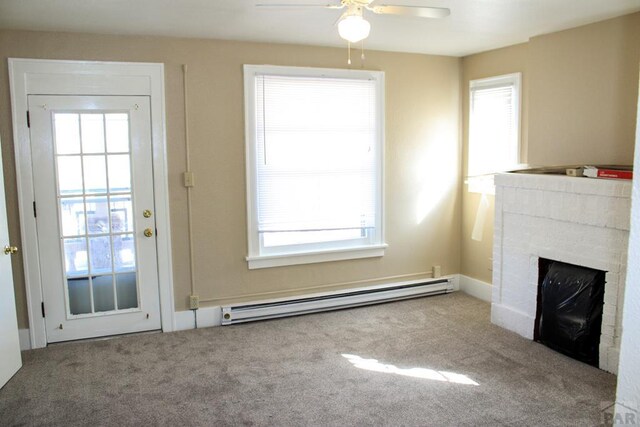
(494, 125)
(314, 164)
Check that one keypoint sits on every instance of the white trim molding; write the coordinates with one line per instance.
(206, 317)
(476, 288)
(185, 320)
(266, 261)
(479, 175)
(25, 339)
(61, 77)
(369, 244)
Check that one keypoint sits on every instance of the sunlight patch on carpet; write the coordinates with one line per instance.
(424, 373)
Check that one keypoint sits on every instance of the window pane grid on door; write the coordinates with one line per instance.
(97, 235)
(105, 214)
(96, 212)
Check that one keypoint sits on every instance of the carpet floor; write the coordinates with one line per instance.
(428, 361)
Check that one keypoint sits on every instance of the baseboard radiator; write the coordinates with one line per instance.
(240, 313)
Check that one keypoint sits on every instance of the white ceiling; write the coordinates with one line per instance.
(473, 26)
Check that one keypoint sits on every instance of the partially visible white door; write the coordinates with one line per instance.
(93, 185)
(10, 360)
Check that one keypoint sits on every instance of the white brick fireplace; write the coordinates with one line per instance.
(579, 221)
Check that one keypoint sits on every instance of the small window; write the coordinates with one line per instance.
(314, 164)
(494, 125)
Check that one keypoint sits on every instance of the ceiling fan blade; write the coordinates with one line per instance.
(423, 12)
(298, 5)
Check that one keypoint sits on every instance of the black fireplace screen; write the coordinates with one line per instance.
(569, 314)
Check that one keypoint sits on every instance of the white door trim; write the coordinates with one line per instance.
(60, 77)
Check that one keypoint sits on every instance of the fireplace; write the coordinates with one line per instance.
(579, 221)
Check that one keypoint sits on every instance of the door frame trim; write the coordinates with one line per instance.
(62, 77)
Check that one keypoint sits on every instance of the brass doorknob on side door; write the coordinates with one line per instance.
(10, 250)
(148, 232)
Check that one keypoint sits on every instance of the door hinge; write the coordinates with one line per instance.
(35, 213)
(42, 305)
(28, 120)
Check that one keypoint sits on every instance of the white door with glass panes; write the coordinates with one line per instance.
(94, 206)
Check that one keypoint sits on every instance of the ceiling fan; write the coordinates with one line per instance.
(353, 27)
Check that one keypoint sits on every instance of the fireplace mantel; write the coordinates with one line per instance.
(581, 221)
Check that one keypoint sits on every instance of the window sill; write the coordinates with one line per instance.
(267, 261)
(482, 184)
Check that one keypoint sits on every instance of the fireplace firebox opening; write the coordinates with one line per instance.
(569, 309)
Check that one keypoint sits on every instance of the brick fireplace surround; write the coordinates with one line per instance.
(581, 221)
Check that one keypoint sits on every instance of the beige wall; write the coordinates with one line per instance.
(584, 92)
(476, 255)
(579, 106)
(422, 176)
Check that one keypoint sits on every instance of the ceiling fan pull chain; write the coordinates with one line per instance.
(362, 55)
(349, 53)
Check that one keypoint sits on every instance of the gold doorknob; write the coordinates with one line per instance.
(148, 232)
(146, 213)
(10, 250)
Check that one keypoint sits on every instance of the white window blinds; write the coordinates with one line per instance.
(494, 124)
(316, 159)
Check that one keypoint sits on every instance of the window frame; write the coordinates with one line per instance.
(316, 252)
(483, 183)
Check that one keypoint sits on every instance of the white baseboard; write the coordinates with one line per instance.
(184, 320)
(455, 281)
(207, 317)
(475, 288)
(25, 339)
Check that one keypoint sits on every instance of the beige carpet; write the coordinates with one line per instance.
(428, 361)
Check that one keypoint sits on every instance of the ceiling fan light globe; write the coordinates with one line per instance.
(354, 28)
